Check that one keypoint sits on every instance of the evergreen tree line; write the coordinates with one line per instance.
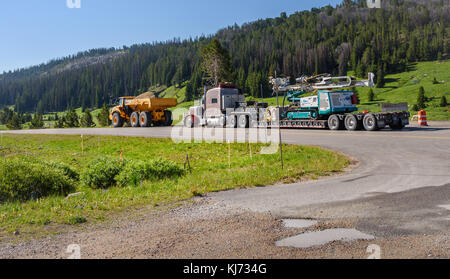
(327, 40)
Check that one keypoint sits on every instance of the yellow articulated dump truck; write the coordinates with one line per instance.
(143, 111)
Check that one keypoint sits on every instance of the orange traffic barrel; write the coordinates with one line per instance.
(423, 118)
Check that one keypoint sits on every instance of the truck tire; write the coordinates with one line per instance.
(243, 121)
(145, 119)
(134, 120)
(188, 123)
(370, 122)
(231, 121)
(117, 121)
(351, 123)
(334, 123)
(168, 117)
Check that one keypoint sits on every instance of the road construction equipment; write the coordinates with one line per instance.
(328, 107)
(143, 111)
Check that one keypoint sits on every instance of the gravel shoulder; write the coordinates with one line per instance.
(204, 228)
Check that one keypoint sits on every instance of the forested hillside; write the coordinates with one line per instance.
(334, 40)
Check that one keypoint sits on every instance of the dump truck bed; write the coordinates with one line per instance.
(152, 104)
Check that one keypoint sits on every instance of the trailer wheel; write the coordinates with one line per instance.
(168, 117)
(145, 119)
(334, 123)
(231, 121)
(188, 123)
(243, 121)
(351, 123)
(370, 122)
(134, 120)
(117, 121)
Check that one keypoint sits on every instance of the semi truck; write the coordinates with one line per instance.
(325, 105)
(143, 111)
(225, 106)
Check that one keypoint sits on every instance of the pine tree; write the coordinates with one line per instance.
(189, 92)
(421, 99)
(59, 124)
(37, 122)
(217, 63)
(14, 123)
(71, 119)
(86, 119)
(380, 77)
(371, 95)
(103, 117)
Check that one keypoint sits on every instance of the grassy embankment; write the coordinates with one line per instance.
(210, 172)
(404, 87)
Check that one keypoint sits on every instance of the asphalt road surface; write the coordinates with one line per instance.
(401, 186)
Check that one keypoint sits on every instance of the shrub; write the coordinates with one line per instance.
(21, 181)
(65, 169)
(134, 173)
(74, 220)
(101, 173)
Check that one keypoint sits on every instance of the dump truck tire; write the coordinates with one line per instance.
(134, 120)
(117, 121)
(334, 123)
(168, 117)
(243, 121)
(188, 123)
(351, 123)
(370, 122)
(145, 119)
(232, 121)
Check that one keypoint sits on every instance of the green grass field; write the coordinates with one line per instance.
(210, 172)
(404, 87)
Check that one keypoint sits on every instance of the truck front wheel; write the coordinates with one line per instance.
(117, 121)
(370, 122)
(334, 123)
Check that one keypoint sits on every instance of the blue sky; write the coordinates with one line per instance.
(35, 31)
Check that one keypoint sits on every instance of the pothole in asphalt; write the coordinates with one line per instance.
(311, 239)
(298, 223)
(445, 206)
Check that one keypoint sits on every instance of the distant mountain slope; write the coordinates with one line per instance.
(329, 39)
(57, 66)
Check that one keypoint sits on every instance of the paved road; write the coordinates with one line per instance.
(401, 182)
